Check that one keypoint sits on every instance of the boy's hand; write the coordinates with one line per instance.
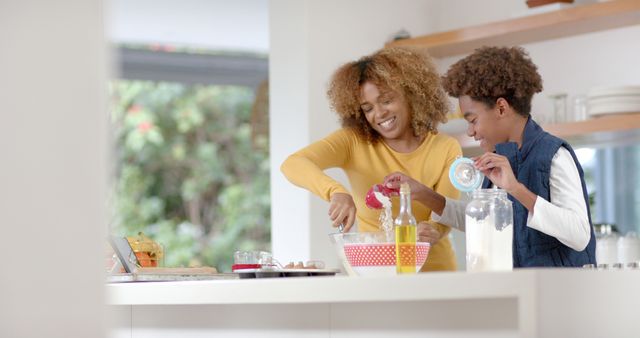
(498, 170)
(393, 181)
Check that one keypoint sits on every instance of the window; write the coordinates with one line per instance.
(613, 174)
(191, 152)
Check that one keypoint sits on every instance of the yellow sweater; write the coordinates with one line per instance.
(366, 164)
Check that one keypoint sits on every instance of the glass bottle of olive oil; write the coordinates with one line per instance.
(406, 233)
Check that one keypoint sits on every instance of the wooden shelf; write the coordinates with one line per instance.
(599, 131)
(571, 21)
(607, 123)
(580, 19)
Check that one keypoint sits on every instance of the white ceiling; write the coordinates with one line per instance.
(240, 25)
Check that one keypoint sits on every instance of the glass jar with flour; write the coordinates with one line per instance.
(489, 231)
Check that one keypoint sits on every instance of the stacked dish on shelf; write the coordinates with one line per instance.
(613, 100)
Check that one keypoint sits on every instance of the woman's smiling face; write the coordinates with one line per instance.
(386, 111)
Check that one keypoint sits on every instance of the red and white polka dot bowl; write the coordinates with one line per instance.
(374, 254)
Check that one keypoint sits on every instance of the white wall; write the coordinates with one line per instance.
(309, 40)
(210, 24)
(575, 65)
(53, 172)
(570, 65)
(288, 123)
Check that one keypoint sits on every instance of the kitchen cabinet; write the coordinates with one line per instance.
(521, 303)
(580, 19)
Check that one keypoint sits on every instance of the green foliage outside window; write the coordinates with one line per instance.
(191, 172)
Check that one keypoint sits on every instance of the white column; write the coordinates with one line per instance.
(53, 168)
(289, 125)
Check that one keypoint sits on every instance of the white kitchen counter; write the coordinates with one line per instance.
(523, 303)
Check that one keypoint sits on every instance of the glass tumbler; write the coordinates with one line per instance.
(559, 107)
(579, 108)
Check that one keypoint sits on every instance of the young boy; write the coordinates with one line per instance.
(540, 172)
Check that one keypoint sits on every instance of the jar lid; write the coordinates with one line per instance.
(464, 176)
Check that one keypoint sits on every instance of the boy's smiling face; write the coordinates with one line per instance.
(484, 123)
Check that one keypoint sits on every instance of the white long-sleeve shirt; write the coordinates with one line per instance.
(564, 217)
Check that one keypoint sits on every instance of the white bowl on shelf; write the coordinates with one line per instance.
(608, 100)
(614, 91)
(613, 109)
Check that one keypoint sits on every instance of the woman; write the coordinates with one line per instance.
(390, 104)
(540, 172)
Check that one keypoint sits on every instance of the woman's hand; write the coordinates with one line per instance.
(342, 210)
(498, 170)
(428, 233)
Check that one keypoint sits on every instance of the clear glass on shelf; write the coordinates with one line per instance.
(579, 108)
(559, 108)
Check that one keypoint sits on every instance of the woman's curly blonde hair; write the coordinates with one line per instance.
(405, 71)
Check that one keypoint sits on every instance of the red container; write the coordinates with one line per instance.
(236, 267)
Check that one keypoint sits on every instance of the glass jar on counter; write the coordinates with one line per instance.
(606, 244)
(489, 231)
(628, 248)
(255, 259)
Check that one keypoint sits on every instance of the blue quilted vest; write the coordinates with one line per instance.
(531, 165)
